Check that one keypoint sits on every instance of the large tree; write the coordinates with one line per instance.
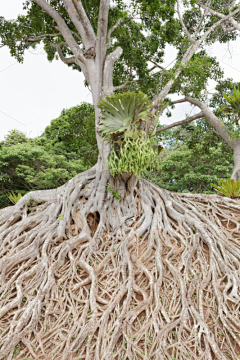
(114, 267)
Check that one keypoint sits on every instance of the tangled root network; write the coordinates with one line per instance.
(88, 275)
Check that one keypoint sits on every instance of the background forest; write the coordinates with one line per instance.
(193, 156)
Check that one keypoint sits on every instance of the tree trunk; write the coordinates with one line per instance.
(236, 158)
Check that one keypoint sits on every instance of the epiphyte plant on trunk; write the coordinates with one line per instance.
(125, 122)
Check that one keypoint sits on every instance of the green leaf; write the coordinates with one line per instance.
(122, 112)
(229, 187)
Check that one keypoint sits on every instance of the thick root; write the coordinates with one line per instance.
(88, 275)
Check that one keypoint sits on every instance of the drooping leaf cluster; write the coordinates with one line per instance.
(133, 156)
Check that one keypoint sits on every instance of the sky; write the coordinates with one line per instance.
(35, 92)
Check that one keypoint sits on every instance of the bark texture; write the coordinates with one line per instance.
(152, 275)
(222, 130)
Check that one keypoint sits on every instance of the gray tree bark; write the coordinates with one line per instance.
(223, 131)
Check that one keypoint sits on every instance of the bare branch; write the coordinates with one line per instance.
(70, 60)
(122, 86)
(73, 32)
(182, 122)
(41, 37)
(88, 36)
(108, 70)
(156, 65)
(235, 24)
(102, 27)
(110, 31)
(182, 23)
(214, 121)
(188, 55)
(229, 17)
(85, 21)
(179, 101)
(228, 30)
(200, 24)
(63, 28)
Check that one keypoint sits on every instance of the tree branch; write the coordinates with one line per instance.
(156, 65)
(179, 101)
(102, 27)
(101, 60)
(41, 37)
(188, 55)
(182, 23)
(182, 122)
(228, 30)
(108, 71)
(88, 37)
(85, 21)
(235, 24)
(213, 120)
(110, 31)
(63, 28)
(70, 60)
(122, 86)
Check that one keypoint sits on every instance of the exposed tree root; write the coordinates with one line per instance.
(153, 275)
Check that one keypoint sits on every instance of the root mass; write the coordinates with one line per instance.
(150, 275)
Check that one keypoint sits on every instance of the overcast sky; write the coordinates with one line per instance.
(35, 92)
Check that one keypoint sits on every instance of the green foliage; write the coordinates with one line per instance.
(35, 165)
(115, 193)
(74, 131)
(16, 350)
(133, 156)
(229, 188)
(14, 198)
(122, 114)
(143, 42)
(132, 149)
(30, 201)
(196, 73)
(194, 156)
(234, 103)
(225, 89)
(15, 137)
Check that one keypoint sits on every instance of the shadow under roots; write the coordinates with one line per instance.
(87, 274)
(93, 220)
